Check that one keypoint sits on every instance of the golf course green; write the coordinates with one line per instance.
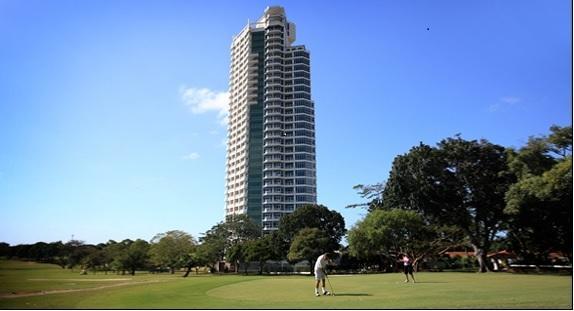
(33, 285)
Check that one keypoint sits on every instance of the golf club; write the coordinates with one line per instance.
(329, 281)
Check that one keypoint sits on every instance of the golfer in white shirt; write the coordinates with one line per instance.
(320, 266)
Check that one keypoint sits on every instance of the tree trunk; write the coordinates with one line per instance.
(171, 270)
(187, 271)
(480, 254)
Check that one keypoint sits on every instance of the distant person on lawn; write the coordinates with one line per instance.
(408, 268)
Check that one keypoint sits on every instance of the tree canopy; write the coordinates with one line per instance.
(459, 183)
(331, 223)
(389, 233)
(540, 202)
(170, 249)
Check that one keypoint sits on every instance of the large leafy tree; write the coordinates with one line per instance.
(128, 255)
(459, 183)
(76, 252)
(196, 258)
(331, 223)
(241, 228)
(170, 249)
(540, 202)
(236, 254)
(388, 233)
(137, 256)
(213, 243)
(225, 236)
(260, 250)
(308, 244)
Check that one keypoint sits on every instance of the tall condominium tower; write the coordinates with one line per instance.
(271, 136)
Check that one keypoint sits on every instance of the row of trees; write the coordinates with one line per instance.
(303, 235)
(474, 193)
(126, 256)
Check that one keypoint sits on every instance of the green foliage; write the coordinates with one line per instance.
(393, 232)
(331, 223)
(459, 183)
(483, 189)
(213, 242)
(540, 202)
(260, 250)
(127, 255)
(560, 140)
(94, 260)
(225, 236)
(170, 249)
(373, 193)
(241, 228)
(309, 243)
(137, 256)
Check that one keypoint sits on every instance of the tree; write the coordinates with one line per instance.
(137, 256)
(241, 229)
(460, 183)
(213, 243)
(169, 249)
(236, 254)
(128, 255)
(540, 202)
(237, 229)
(312, 216)
(308, 244)
(5, 250)
(388, 233)
(260, 250)
(197, 258)
(76, 251)
(95, 260)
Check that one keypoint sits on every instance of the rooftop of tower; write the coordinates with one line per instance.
(271, 14)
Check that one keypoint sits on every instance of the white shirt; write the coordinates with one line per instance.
(321, 262)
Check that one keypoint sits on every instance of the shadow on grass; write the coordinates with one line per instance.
(419, 282)
(352, 294)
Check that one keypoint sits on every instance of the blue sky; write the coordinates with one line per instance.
(111, 112)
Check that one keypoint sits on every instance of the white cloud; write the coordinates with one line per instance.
(505, 101)
(192, 156)
(511, 100)
(201, 100)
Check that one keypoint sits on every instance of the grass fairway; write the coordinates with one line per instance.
(21, 285)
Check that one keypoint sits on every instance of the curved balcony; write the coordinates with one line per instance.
(273, 104)
(272, 152)
(272, 183)
(274, 96)
(272, 31)
(273, 159)
(272, 144)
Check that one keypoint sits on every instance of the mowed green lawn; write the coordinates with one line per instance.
(64, 289)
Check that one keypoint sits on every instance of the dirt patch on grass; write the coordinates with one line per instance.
(63, 291)
(81, 280)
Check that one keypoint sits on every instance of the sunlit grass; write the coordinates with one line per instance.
(433, 290)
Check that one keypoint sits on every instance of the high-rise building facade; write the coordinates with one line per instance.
(271, 166)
